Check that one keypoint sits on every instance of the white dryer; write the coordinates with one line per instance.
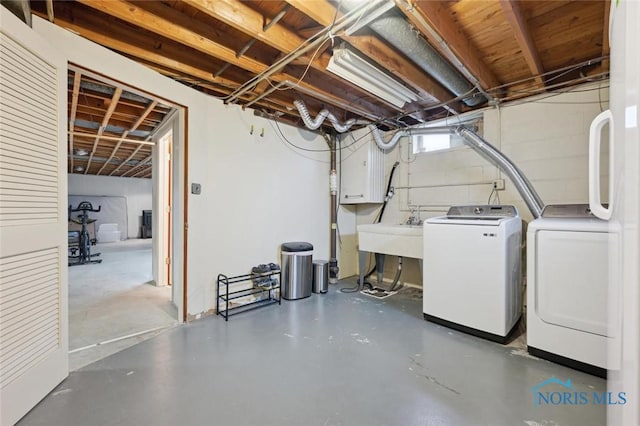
(471, 270)
(567, 283)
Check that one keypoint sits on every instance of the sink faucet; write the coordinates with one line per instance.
(414, 217)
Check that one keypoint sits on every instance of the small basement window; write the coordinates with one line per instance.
(435, 142)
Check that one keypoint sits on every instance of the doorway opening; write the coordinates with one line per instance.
(122, 154)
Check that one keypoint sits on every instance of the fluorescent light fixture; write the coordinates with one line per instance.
(358, 71)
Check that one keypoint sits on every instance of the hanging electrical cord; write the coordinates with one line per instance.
(388, 196)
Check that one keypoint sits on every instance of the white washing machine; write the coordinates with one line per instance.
(567, 283)
(471, 270)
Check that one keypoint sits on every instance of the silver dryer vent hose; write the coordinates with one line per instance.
(497, 158)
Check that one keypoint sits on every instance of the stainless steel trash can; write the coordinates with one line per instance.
(297, 270)
(320, 276)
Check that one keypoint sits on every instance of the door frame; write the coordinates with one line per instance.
(180, 194)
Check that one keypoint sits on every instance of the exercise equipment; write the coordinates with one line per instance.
(80, 242)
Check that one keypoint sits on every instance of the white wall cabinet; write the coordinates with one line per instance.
(362, 173)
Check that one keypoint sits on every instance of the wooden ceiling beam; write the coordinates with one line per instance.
(103, 125)
(148, 174)
(142, 173)
(450, 40)
(605, 34)
(142, 53)
(122, 113)
(250, 22)
(243, 18)
(77, 77)
(91, 117)
(94, 101)
(430, 90)
(137, 16)
(129, 12)
(141, 163)
(133, 154)
(135, 125)
(522, 34)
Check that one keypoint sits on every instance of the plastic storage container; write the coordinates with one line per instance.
(108, 233)
(320, 276)
(297, 271)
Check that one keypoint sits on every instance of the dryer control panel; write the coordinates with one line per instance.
(568, 211)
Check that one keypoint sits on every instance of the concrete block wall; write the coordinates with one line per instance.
(545, 136)
(548, 139)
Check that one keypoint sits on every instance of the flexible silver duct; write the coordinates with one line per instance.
(398, 32)
(313, 124)
(391, 143)
(497, 158)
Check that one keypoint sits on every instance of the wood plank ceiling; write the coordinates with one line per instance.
(265, 54)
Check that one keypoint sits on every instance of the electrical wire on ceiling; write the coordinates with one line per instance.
(308, 44)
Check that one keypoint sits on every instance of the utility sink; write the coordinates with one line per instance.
(397, 240)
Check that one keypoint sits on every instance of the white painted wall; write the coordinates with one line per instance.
(257, 192)
(545, 136)
(136, 191)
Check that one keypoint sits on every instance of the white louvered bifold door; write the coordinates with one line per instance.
(33, 219)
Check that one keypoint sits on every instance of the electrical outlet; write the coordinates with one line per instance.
(498, 184)
(196, 188)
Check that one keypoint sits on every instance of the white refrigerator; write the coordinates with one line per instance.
(623, 209)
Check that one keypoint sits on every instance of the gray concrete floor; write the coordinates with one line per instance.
(115, 299)
(333, 359)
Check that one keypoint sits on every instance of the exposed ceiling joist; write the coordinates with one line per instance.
(143, 173)
(605, 35)
(521, 32)
(159, 25)
(105, 122)
(430, 90)
(240, 51)
(142, 117)
(133, 154)
(250, 22)
(130, 12)
(128, 48)
(435, 23)
(141, 163)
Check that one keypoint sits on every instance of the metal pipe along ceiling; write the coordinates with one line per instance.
(398, 32)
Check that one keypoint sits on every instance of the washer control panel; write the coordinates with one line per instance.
(485, 210)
